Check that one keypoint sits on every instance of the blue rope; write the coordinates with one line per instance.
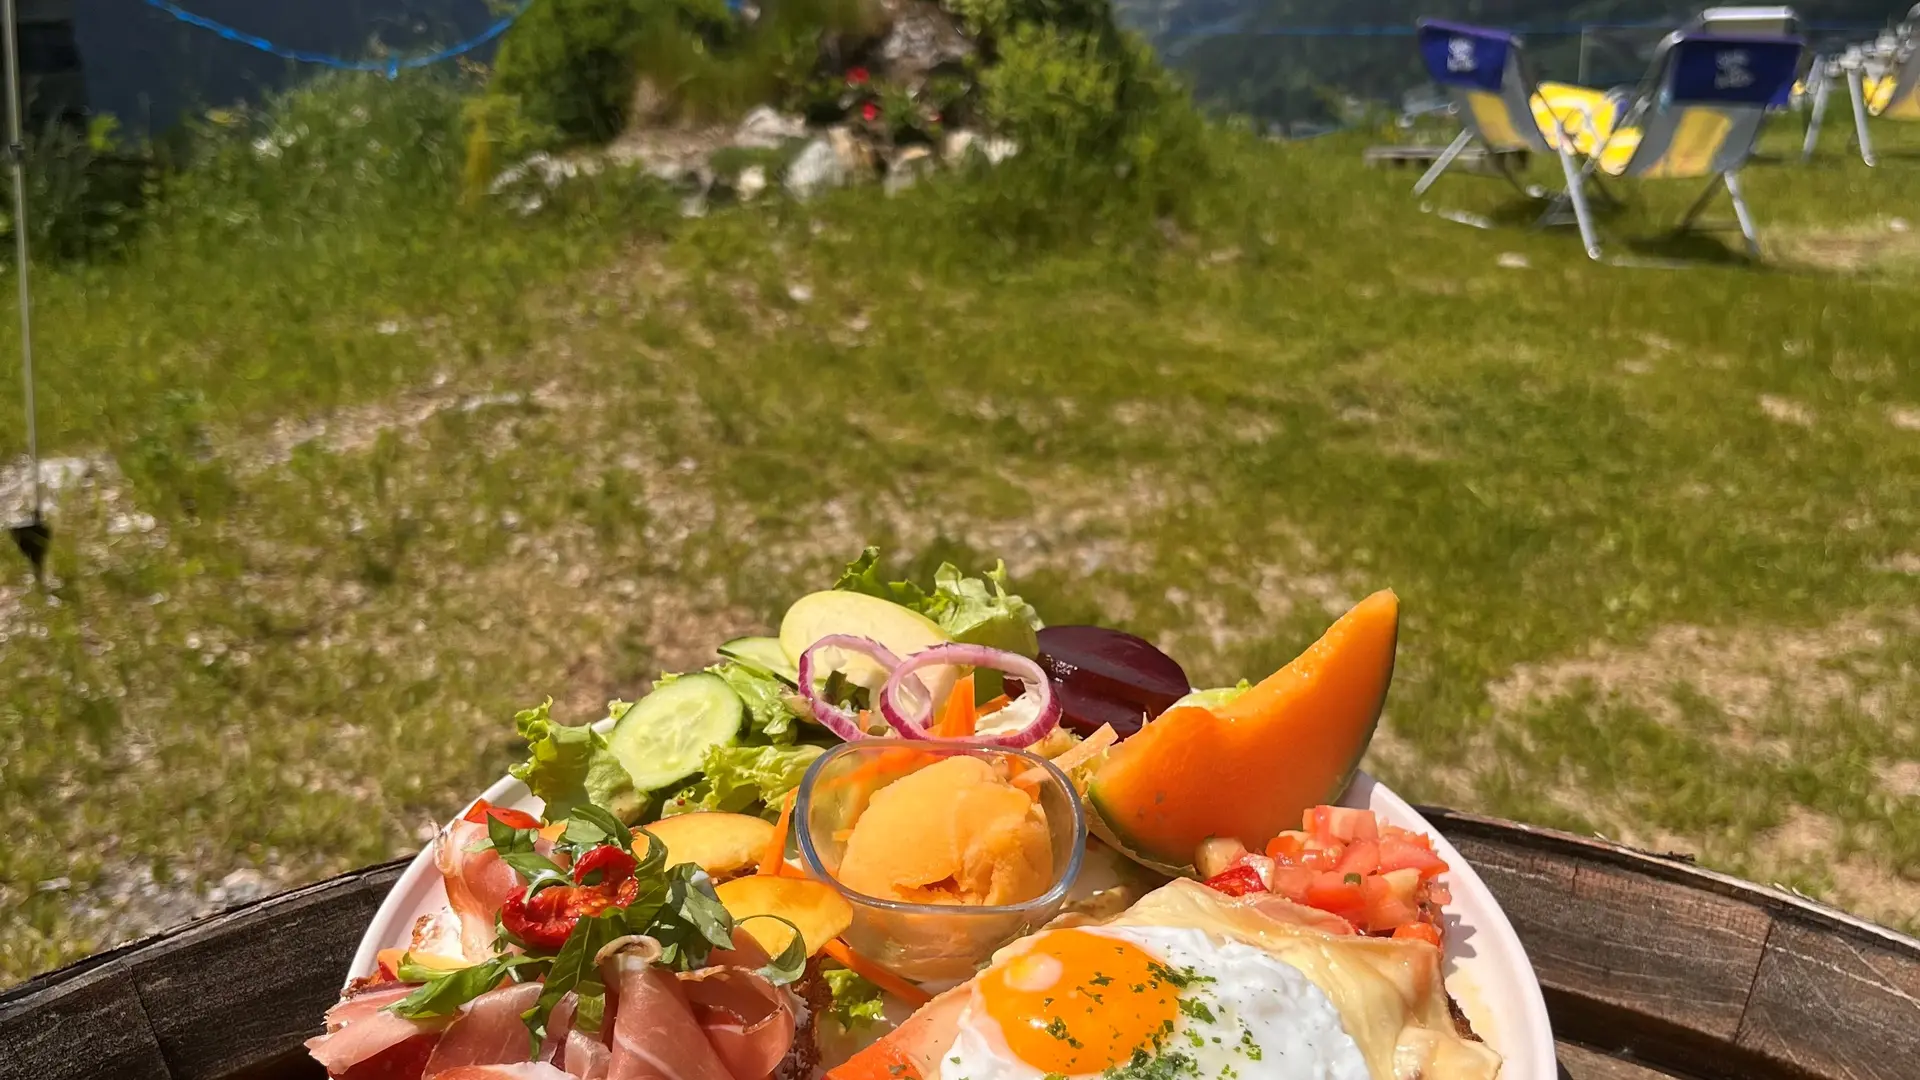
(1228, 28)
(391, 66)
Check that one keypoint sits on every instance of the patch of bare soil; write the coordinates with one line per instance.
(1808, 843)
(1852, 250)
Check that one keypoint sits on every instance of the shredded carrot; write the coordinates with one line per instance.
(958, 720)
(993, 706)
(774, 859)
(877, 975)
(1070, 759)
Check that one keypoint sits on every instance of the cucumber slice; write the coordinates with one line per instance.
(764, 653)
(665, 736)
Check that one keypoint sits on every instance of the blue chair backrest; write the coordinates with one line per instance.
(1468, 57)
(1730, 72)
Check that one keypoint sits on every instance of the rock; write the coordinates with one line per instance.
(751, 182)
(907, 166)
(239, 887)
(650, 105)
(854, 152)
(766, 129)
(923, 38)
(998, 149)
(957, 144)
(1512, 260)
(817, 169)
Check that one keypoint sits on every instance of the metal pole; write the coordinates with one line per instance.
(16, 156)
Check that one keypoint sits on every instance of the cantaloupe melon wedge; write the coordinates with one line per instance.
(1247, 768)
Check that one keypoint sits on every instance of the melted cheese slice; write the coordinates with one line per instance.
(1391, 995)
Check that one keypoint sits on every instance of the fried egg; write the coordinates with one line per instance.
(1169, 1002)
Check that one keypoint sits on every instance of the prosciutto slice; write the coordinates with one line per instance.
(526, 1070)
(748, 1021)
(586, 1056)
(359, 1028)
(655, 1035)
(477, 883)
(488, 1031)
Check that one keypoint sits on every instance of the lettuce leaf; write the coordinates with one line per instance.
(977, 610)
(568, 767)
(856, 1002)
(862, 575)
(765, 697)
(981, 611)
(736, 777)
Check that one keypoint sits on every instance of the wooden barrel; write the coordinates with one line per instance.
(1651, 966)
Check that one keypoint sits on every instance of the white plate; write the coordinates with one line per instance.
(1487, 970)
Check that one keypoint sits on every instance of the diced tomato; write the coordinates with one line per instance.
(1418, 931)
(1288, 848)
(1399, 854)
(1293, 882)
(1343, 823)
(1242, 880)
(1395, 832)
(513, 819)
(1341, 894)
(1361, 857)
(1390, 901)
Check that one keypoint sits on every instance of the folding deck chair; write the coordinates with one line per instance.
(1503, 108)
(1750, 21)
(1698, 114)
(1882, 78)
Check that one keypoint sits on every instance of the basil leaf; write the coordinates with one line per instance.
(535, 869)
(516, 849)
(590, 1011)
(505, 837)
(792, 961)
(443, 992)
(655, 860)
(573, 971)
(591, 826)
(691, 891)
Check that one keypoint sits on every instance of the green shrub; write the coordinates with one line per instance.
(575, 64)
(344, 145)
(993, 19)
(1103, 131)
(86, 195)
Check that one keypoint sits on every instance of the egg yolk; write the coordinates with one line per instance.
(1076, 1002)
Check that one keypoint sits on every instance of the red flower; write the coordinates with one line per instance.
(869, 112)
(857, 76)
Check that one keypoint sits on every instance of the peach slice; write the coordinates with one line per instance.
(820, 912)
(720, 844)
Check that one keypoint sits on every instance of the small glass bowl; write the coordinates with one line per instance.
(931, 943)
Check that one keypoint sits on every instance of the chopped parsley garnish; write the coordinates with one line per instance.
(1057, 1028)
(1144, 1066)
(1196, 1009)
(1352, 879)
(1248, 1046)
(1194, 1038)
(1100, 978)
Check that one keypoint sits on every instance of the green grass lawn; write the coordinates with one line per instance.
(364, 491)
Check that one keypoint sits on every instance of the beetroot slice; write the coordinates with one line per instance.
(1108, 676)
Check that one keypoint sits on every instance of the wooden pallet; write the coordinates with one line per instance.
(1474, 159)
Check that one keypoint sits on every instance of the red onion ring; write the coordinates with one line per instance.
(1046, 716)
(842, 721)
